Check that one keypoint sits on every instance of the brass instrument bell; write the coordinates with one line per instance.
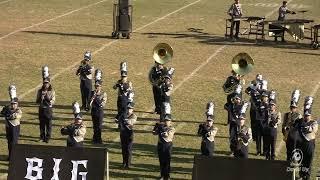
(242, 63)
(162, 53)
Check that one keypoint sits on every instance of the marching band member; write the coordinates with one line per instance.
(270, 133)
(165, 132)
(283, 10)
(234, 112)
(231, 81)
(120, 86)
(254, 91)
(207, 131)
(235, 12)
(261, 117)
(12, 115)
(46, 97)
(166, 89)
(76, 130)
(157, 73)
(97, 103)
(243, 136)
(308, 129)
(289, 119)
(126, 135)
(85, 72)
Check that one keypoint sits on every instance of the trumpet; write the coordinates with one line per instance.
(93, 97)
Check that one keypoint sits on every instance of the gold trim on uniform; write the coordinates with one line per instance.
(212, 133)
(16, 116)
(168, 135)
(312, 129)
(275, 116)
(79, 133)
(246, 131)
(288, 120)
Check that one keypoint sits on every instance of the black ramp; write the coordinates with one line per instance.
(229, 168)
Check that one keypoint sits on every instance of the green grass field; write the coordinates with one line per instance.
(63, 29)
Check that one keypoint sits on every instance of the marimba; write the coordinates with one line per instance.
(256, 26)
(295, 27)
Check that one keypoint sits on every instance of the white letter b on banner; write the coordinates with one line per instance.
(31, 168)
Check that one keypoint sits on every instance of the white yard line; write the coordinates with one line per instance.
(104, 46)
(2, 2)
(282, 143)
(52, 19)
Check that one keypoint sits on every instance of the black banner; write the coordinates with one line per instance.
(55, 162)
(228, 168)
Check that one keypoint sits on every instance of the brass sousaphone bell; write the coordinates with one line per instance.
(242, 63)
(162, 53)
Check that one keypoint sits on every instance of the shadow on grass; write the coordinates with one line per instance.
(213, 39)
(69, 34)
(310, 54)
(21, 103)
(150, 150)
(3, 158)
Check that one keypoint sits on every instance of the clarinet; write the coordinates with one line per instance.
(93, 97)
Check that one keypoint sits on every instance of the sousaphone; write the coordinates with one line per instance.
(241, 64)
(162, 54)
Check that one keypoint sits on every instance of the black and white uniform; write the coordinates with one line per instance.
(45, 99)
(289, 120)
(126, 137)
(283, 10)
(261, 123)
(120, 85)
(156, 76)
(254, 98)
(12, 121)
(231, 81)
(166, 91)
(307, 130)
(164, 148)
(235, 12)
(243, 137)
(98, 102)
(85, 72)
(234, 112)
(75, 134)
(270, 134)
(207, 133)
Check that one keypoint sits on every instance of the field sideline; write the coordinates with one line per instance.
(57, 32)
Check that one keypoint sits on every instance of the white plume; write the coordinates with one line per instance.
(76, 107)
(45, 72)
(12, 92)
(123, 66)
(244, 107)
(210, 108)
